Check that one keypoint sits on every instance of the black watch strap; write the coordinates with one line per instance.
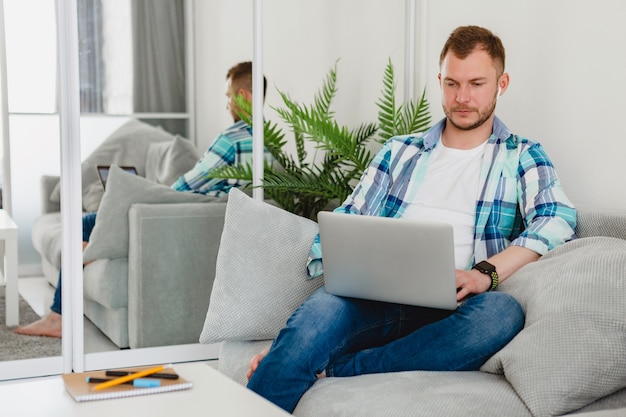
(488, 269)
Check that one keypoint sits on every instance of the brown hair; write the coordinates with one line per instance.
(465, 39)
(241, 77)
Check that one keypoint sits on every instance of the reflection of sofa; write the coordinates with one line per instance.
(151, 294)
(570, 357)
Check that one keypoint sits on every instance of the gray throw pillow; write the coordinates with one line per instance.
(572, 350)
(128, 145)
(166, 161)
(109, 238)
(260, 276)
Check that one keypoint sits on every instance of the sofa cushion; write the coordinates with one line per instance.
(234, 357)
(415, 394)
(260, 276)
(572, 350)
(109, 239)
(166, 161)
(106, 282)
(128, 145)
(46, 237)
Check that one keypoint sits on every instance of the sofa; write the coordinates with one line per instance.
(570, 358)
(145, 236)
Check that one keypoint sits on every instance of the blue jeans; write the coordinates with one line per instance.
(89, 221)
(347, 337)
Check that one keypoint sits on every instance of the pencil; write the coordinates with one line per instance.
(123, 379)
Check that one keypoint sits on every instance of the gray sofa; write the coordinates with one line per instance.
(139, 296)
(570, 357)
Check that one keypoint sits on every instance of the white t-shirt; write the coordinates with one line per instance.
(449, 193)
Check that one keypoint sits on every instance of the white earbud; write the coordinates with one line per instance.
(499, 91)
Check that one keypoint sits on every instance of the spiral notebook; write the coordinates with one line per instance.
(81, 390)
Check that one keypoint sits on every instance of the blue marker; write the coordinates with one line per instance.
(138, 383)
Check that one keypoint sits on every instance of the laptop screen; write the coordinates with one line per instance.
(103, 172)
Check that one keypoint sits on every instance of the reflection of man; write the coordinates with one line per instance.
(232, 146)
(501, 194)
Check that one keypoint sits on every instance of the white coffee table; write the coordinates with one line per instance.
(8, 233)
(213, 394)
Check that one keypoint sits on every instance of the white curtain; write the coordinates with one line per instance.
(159, 56)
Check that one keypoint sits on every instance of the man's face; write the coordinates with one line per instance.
(469, 89)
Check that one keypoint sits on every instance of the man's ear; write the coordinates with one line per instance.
(246, 94)
(503, 83)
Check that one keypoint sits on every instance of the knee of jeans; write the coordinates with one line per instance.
(320, 314)
(507, 309)
(322, 305)
(498, 304)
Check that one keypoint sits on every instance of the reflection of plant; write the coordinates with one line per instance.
(304, 188)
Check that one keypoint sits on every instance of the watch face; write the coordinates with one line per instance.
(485, 267)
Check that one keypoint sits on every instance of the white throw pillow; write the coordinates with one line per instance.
(572, 350)
(128, 145)
(109, 238)
(167, 161)
(260, 274)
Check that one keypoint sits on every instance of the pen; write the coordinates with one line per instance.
(139, 382)
(157, 375)
(133, 376)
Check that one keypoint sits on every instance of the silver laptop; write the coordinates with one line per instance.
(103, 173)
(385, 259)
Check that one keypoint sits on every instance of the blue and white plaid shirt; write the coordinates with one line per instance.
(232, 147)
(521, 202)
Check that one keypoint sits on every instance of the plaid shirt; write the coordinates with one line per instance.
(521, 202)
(232, 147)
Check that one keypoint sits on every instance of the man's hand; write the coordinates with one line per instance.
(506, 262)
(471, 282)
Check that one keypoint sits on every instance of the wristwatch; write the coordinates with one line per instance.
(487, 268)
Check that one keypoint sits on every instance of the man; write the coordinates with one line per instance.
(232, 146)
(502, 196)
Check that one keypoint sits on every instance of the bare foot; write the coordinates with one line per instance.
(49, 325)
(256, 360)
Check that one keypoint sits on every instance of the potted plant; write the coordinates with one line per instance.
(305, 188)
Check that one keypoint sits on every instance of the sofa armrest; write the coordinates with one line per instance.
(47, 183)
(171, 267)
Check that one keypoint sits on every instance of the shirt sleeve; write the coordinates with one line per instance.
(549, 216)
(221, 152)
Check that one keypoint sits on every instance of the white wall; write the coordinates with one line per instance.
(567, 64)
(565, 57)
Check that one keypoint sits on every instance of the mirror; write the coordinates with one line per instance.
(115, 85)
(30, 42)
(107, 102)
(216, 55)
(133, 76)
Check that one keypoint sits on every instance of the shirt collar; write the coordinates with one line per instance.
(431, 137)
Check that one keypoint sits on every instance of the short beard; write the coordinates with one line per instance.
(478, 123)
